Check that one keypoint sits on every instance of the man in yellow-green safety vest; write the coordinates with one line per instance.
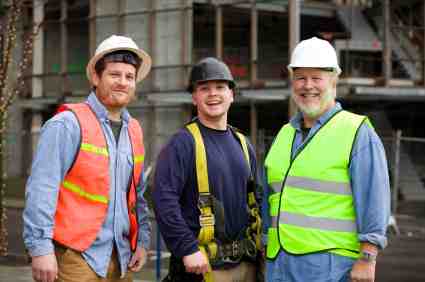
(328, 188)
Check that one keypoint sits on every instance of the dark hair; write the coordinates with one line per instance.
(120, 56)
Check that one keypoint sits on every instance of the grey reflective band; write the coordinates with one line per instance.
(276, 186)
(321, 223)
(318, 185)
(274, 222)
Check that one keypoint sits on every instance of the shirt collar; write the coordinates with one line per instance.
(100, 110)
(297, 120)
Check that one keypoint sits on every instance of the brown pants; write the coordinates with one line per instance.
(73, 268)
(244, 272)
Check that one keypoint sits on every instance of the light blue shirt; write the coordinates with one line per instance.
(369, 181)
(58, 144)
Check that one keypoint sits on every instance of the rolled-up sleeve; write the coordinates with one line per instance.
(57, 146)
(144, 233)
(371, 188)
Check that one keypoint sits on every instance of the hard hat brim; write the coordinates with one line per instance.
(191, 87)
(145, 67)
(291, 67)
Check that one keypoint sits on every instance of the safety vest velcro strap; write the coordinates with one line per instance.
(305, 183)
(321, 223)
(276, 186)
(84, 194)
(139, 159)
(94, 149)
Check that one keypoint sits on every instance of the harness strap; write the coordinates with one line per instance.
(212, 249)
(206, 219)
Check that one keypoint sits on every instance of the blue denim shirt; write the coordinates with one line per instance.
(58, 144)
(369, 180)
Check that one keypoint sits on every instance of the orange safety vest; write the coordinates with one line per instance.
(84, 193)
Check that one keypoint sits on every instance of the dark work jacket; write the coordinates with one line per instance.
(175, 192)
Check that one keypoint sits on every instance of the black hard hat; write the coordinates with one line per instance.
(210, 69)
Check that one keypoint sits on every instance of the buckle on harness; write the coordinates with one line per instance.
(250, 248)
(236, 249)
(205, 200)
(206, 220)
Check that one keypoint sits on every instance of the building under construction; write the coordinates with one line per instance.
(380, 44)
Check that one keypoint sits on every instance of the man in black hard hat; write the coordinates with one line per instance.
(204, 188)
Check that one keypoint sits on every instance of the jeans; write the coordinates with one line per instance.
(317, 267)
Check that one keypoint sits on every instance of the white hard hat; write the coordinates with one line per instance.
(314, 53)
(116, 43)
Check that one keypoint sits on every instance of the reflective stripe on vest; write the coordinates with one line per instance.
(316, 222)
(80, 191)
(94, 149)
(316, 200)
(84, 193)
(139, 159)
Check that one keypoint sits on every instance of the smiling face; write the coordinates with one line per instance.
(116, 86)
(313, 91)
(212, 100)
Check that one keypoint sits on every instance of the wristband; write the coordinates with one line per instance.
(368, 256)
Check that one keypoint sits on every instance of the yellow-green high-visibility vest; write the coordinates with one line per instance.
(311, 205)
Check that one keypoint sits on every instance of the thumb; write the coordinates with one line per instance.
(133, 261)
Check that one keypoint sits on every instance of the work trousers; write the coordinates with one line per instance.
(73, 268)
(243, 272)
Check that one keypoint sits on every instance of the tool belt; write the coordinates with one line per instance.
(232, 252)
(219, 254)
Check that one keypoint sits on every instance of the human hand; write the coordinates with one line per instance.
(44, 268)
(363, 271)
(138, 259)
(196, 263)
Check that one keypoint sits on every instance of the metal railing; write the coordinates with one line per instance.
(407, 169)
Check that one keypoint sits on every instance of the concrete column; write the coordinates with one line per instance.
(36, 123)
(187, 32)
(254, 43)
(219, 32)
(294, 38)
(423, 45)
(387, 68)
(38, 55)
(37, 69)
(121, 17)
(254, 124)
(294, 23)
(92, 27)
(152, 43)
(187, 113)
(64, 48)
